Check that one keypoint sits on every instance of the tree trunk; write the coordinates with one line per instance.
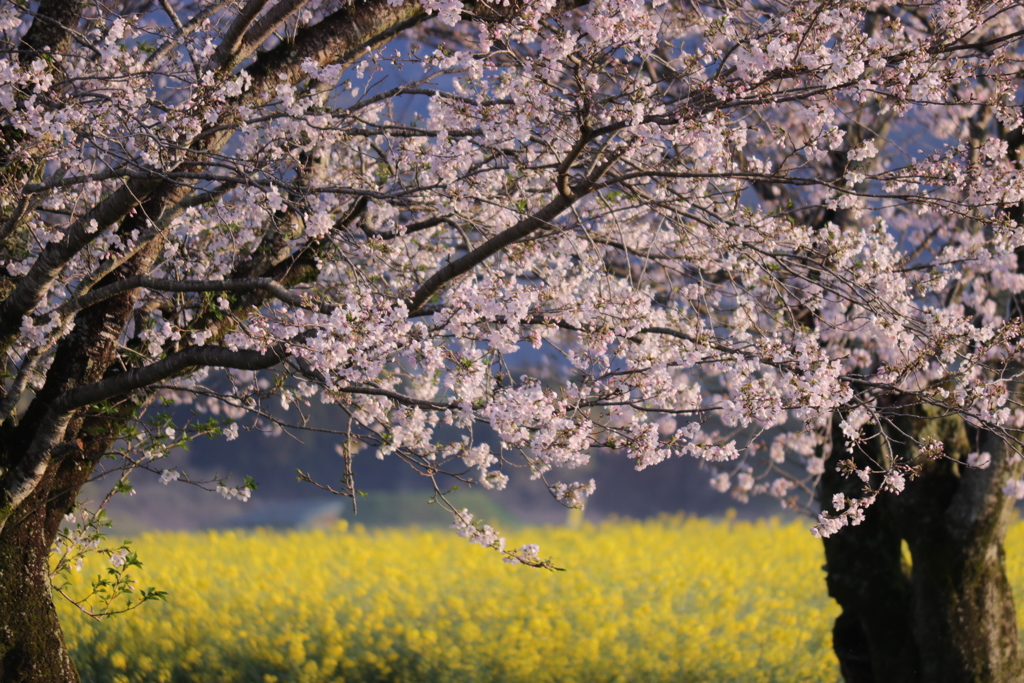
(32, 646)
(947, 616)
(873, 636)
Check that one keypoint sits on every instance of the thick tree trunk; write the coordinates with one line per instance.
(948, 616)
(964, 618)
(32, 646)
(873, 637)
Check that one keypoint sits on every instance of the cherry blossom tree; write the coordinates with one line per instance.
(781, 237)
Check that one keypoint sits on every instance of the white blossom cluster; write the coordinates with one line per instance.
(643, 229)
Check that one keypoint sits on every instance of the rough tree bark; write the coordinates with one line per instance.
(31, 642)
(947, 615)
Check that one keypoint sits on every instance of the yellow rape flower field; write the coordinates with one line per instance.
(666, 600)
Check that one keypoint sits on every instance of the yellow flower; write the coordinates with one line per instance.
(670, 599)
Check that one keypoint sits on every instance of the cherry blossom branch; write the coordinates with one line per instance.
(396, 397)
(562, 176)
(61, 181)
(165, 285)
(264, 27)
(982, 43)
(205, 356)
(231, 43)
(429, 92)
(174, 364)
(31, 289)
(541, 219)
(337, 38)
(333, 38)
(189, 27)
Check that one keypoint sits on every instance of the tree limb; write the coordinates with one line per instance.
(541, 219)
(166, 285)
(174, 364)
(31, 289)
(453, 269)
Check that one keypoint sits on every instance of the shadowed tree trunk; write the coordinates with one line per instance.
(32, 647)
(31, 643)
(948, 615)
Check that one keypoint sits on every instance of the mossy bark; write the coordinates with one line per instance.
(945, 614)
(32, 648)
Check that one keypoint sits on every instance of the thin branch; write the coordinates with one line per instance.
(189, 28)
(983, 43)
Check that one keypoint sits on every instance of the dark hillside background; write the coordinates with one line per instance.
(395, 493)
